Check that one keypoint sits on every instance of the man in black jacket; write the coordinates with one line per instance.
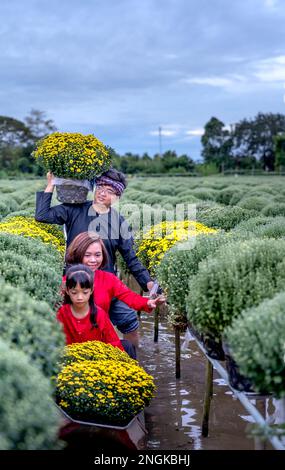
(98, 216)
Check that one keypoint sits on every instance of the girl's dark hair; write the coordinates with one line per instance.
(82, 275)
(78, 247)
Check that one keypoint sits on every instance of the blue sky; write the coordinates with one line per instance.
(122, 68)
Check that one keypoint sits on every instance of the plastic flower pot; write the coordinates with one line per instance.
(213, 347)
(236, 379)
(72, 191)
(130, 436)
(195, 333)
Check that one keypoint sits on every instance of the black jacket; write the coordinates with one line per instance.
(112, 228)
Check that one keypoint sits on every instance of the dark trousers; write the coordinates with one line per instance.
(129, 348)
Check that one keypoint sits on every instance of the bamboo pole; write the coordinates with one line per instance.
(139, 311)
(156, 324)
(177, 353)
(207, 398)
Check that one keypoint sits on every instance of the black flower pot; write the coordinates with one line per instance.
(236, 379)
(195, 333)
(213, 348)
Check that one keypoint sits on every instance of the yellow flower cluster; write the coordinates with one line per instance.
(93, 351)
(28, 227)
(104, 391)
(73, 155)
(161, 237)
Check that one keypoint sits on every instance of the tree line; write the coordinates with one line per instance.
(18, 140)
(257, 143)
(250, 143)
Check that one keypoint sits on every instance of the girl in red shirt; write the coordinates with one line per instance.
(82, 320)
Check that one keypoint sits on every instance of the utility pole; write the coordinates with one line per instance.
(159, 137)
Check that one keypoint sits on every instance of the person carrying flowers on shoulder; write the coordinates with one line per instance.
(99, 216)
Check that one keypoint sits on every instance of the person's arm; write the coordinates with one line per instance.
(126, 249)
(126, 295)
(45, 213)
(108, 332)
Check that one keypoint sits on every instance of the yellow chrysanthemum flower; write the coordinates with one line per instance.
(161, 237)
(93, 350)
(73, 155)
(105, 391)
(28, 227)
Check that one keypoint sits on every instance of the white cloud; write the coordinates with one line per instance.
(164, 132)
(226, 82)
(169, 129)
(270, 3)
(210, 81)
(195, 132)
(271, 70)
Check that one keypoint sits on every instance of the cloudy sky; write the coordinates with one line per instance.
(123, 68)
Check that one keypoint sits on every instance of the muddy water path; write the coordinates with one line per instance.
(173, 419)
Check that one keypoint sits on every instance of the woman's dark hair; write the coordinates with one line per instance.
(116, 176)
(78, 247)
(82, 275)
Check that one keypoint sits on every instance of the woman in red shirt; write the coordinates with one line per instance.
(88, 249)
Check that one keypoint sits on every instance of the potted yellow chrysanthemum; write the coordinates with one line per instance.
(103, 391)
(74, 159)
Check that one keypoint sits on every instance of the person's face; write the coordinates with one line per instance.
(105, 195)
(79, 296)
(93, 256)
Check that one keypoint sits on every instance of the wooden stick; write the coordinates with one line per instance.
(177, 353)
(139, 311)
(207, 399)
(156, 324)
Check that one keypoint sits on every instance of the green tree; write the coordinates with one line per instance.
(14, 135)
(17, 140)
(217, 143)
(279, 148)
(39, 126)
(254, 138)
(186, 163)
(13, 132)
(169, 160)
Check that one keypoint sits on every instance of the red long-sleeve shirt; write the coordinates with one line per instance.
(107, 286)
(80, 330)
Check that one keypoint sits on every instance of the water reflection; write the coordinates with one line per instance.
(174, 416)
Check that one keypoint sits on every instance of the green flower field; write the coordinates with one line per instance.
(216, 246)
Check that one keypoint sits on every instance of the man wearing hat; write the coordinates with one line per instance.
(99, 216)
